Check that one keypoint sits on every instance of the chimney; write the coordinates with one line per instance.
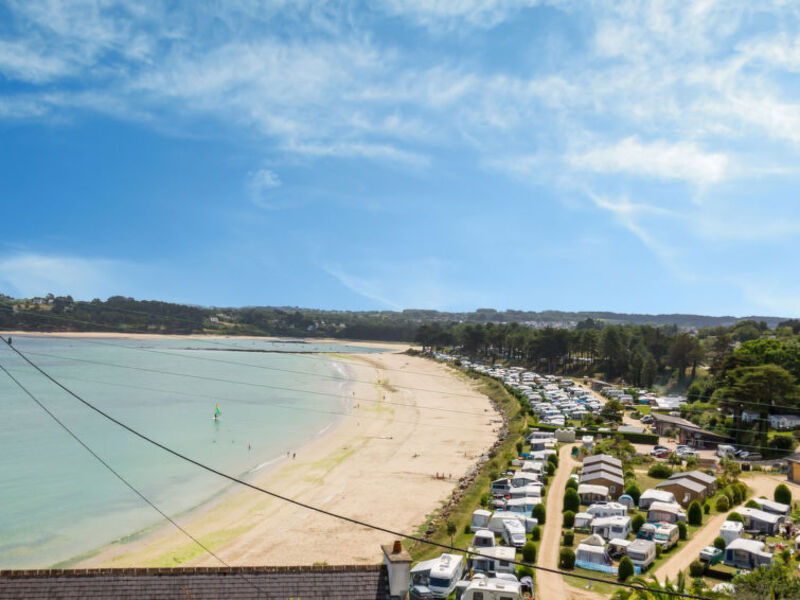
(398, 568)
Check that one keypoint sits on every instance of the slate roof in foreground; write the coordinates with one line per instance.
(347, 582)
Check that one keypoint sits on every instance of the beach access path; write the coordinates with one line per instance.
(760, 484)
(552, 585)
(378, 465)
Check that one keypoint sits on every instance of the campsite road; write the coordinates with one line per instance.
(551, 585)
(762, 485)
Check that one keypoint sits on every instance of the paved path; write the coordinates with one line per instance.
(762, 485)
(551, 585)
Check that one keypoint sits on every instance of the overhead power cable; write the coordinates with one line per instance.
(317, 509)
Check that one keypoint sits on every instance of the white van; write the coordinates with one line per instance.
(492, 589)
(514, 533)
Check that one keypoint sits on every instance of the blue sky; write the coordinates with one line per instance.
(636, 157)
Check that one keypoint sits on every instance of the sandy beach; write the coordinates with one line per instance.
(378, 465)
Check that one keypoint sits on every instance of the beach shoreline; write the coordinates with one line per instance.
(378, 463)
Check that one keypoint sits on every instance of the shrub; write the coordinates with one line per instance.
(659, 550)
(681, 530)
(569, 520)
(571, 500)
(544, 479)
(566, 559)
(719, 543)
(737, 494)
(707, 507)
(529, 552)
(572, 484)
(694, 515)
(569, 538)
(625, 569)
(536, 533)
(734, 516)
(637, 522)
(524, 572)
(723, 504)
(467, 528)
(696, 568)
(519, 447)
(752, 504)
(553, 458)
(782, 494)
(634, 492)
(659, 471)
(538, 513)
(550, 468)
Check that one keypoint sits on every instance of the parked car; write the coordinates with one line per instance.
(647, 419)
(658, 449)
(660, 453)
(754, 456)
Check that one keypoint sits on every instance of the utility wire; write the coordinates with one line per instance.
(319, 510)
(116, 473)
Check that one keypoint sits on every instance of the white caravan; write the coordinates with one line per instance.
(514, 533)
(492, 589)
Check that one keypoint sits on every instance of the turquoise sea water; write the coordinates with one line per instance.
(58, 502)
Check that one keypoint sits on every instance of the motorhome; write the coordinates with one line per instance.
(483, 539)
(647, 532)
(666, 535)
(480, 520)
(499, 559)
(522, 479)
(731, 530)
(495, 523)
(444, 575)
(492, 589)
(514, 533)
(642, 553)
(612, 527)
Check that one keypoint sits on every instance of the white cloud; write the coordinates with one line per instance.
(660, 159)
(448, 14)
(32, 274)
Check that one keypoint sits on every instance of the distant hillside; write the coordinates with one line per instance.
(62, 313)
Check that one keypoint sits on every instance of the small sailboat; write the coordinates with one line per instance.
(217, 412)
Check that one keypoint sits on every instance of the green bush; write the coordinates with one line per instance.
(625, 569)
(660, 471)
(545, 480)
(637, 522)
(734, 516)
(707, 507)
(529, 552)
(569, 538)
(553, 458)
(632, 489)
(737, 494)
(659, 550)
(719, 543)
(752, 504)
(572, 501)
(681, 530)
(569, 520)
(566, 559)
(538, 513)
(694, 515)
(782, 494)
(524, 572)
(723, 504)
(467, 528)
(536, 533)
(696, 568)
(572, 484)
(519, 447)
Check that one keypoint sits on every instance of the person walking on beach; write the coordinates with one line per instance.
(294, 455)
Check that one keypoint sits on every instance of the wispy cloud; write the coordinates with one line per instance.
(682, 160)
